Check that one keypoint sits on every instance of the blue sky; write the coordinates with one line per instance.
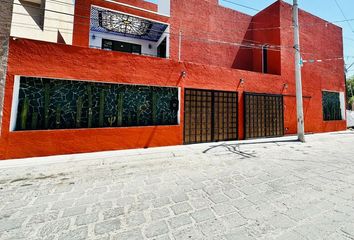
(326, 9)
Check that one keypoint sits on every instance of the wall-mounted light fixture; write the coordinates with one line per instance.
(241, 82)
(285, 86)
(183, 74)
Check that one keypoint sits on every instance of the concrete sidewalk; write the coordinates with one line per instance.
(258, 189)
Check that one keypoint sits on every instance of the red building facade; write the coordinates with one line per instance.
(210, 48)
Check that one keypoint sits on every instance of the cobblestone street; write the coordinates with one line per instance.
(260, 189)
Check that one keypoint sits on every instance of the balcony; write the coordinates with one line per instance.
(117, 31)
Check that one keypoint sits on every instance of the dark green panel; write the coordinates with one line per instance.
(331, 106)
(64, 104)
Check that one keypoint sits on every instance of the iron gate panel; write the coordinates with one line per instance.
(264, 115)
(210, 116)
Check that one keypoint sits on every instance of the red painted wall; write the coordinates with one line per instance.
(211, 20)
(209, 32)
(318, 40)
(266, 30)
(40, 59)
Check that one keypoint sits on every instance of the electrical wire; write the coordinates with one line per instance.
(242, 44)
(185, 37)
(341, 10)
(241, 5)
(238, 21)
(156, 31)
(233, 30)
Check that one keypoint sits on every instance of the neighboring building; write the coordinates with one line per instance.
(45, 20)
(120, 74)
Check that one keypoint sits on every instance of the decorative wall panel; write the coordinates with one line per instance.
(64, 104)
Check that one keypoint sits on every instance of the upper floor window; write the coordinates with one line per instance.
(265, 58)
(118, 31)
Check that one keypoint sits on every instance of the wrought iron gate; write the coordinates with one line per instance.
(264, 115)
(210, 116)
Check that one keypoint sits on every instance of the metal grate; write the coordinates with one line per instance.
(264, 115)
(210, 116)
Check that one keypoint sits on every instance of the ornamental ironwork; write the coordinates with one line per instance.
(117, 23)
(121, 23)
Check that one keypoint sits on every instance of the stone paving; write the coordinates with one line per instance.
(264, 189)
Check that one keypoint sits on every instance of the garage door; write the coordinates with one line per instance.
(209, 116)
(264, 115)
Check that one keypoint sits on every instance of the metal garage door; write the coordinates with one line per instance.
(210, 116)
(264, 115)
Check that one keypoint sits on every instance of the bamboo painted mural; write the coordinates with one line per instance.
(66, 104)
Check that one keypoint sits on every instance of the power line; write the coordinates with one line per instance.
(47, 28)
(241, 44)
(233, 30)
(348, 68)
(193, 38)
(216, 41)
(156, 31)
(341, 10)
(309, 24)
(88, 17)
(241, 5)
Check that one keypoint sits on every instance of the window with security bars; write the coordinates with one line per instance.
(331, 106)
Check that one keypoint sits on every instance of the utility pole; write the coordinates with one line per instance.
(299, 101)
(5, 27)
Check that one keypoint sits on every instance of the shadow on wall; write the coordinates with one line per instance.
(36, 11)
(60, 38)
(243, 59)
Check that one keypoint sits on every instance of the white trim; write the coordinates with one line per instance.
(16, 91)
(138, 8)
(14, 105)
(333, 91)
(342, 105)
(179, 106)
(167, 36)
(341, 100)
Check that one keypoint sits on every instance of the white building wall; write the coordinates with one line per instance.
(96, 42)
(164, 7)
(350, 118)
(57, 18)
(342, 104)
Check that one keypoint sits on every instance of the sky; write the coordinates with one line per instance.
(326, 9)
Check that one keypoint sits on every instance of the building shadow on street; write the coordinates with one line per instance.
(235, 147)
